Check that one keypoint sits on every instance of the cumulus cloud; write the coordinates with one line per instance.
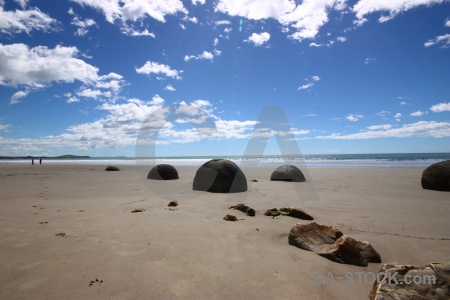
(383, 113)
(398, 116)
(392, 7)
(170, 88)
(151, 67)
(222, 22)
(195, 2)
(403, 103)
(441, 107)
(258, 39)
(134, 10)
(41, 65)
(205, 55)
(354, 117)
(18, 21)
(305, 18)
(419, 129)
(417, 113)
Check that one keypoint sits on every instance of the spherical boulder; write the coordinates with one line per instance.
(437, 176)
(163, 172)
(220, 176)
(288, 173)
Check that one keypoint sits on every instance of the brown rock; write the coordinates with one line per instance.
(437, 176)
(311, 235)
(137, 210)
(272, 212)
(397, 282)
(244, 208)
(173, 203)
(295, 213)
(230, 218)
(347, 250)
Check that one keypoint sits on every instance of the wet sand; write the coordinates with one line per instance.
(67, 231)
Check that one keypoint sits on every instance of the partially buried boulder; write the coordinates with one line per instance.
(112, 168)
(163, 172)
(287, 173)
(220, 176)
(395, 281)
(437, 176)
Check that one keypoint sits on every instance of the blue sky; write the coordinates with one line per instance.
(88, 77)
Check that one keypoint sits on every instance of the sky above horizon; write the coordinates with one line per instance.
(89, 77)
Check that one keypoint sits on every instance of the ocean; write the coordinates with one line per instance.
(385, 160)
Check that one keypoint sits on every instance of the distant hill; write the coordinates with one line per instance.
(66, 156)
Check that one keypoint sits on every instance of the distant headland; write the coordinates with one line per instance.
(66, 156)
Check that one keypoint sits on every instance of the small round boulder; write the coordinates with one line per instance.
(437, 176)
(220, 176)
(288, 173)
(163, 172)
(112, 168)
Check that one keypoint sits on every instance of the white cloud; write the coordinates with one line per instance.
(305, 18)
(195, 2)
(82, 25)
(378, 127)
(169, 87)
(341, 39)
(22, 3)
(89, 93)
(4, 127)
(12, 22)
(131, 31)
(354, 117)
(310, 83)
(72, 100)
(442, 39)
(441, 107)
(204, 55)
(397, 116)
(418, 113)
(383, 113)
(216, 42)
(419, 129)
(15, 98)
(41, 65)
(369, 60)
(403, 103)
(447, 23)
(305, 86)
(258, 39)
(134, 10)
(392, 7)
(223, 22)
(182, 26)
(153, 67)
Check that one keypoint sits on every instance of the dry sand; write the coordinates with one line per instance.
(191, 252)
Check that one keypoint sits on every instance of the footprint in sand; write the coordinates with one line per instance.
(97, 283)
(43, 223)
(61, 234)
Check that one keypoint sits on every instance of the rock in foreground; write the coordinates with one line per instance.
(244, 208)
(329, 242)
(287, 173)
(434, 282)
(163, 172)
(437, 176)
(220, 176)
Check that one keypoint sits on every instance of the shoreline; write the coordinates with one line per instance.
(191, 252)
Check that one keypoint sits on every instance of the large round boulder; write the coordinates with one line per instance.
(288, 173)
(163, 172)
(437, 176)
(220, 176)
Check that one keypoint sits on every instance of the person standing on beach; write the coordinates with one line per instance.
(32, 161)
(40, 161)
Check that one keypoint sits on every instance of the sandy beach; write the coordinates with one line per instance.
(67, 232)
